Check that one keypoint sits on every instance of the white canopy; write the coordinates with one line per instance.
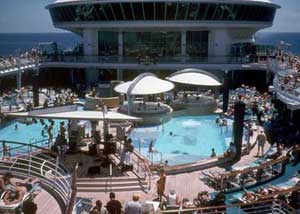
(79, 115)
(194, 77)
(145, 84)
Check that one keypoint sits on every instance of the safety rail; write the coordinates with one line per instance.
(23, 148)
(260, 207)
(157, 60)
(72, 205)
(140, 166)
(221, 180)
(46, 166)
(286, 91)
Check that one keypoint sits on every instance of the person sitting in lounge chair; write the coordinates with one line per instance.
(231, 151)
(15, 194)
(249, 196)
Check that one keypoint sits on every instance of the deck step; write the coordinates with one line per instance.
(108, 189)
(117, 184)
(113, 179)
(104, 184)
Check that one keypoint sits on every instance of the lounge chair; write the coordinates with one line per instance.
(17, 207)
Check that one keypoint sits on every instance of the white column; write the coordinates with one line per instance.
(219, 42)
(90, 48)
(120, 44)
(90, 42)
(183, 43)
(19, 79)
(119, 74)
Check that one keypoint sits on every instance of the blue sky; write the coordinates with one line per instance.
(31, 16)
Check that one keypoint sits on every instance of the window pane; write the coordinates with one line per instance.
(159, 10)
(117, 11)
(182, 9)
(138, 11)
(155, 44)
(171, 10)
(197, 43)
(192, 13)
(108, 43)
(127, 10)
(149, 10)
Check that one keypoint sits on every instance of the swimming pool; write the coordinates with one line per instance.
(27, 133)
(192, 139)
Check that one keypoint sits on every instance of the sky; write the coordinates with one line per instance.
(30, 16)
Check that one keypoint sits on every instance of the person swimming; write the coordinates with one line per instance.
(16, 127)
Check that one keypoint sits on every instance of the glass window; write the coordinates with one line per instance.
(192, 13)
(162, 11)
(149, 10)
(159, 10)
(117, 11)
(138, 11)
(156, 44)
(108, 43)
(197, 43)
(108, 11)
(127, 10)
(171, 10)
(182, 11)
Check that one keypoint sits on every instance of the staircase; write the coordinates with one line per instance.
(114, 184)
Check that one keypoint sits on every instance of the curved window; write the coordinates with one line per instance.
(169, 11)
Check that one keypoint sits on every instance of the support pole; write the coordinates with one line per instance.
(226, 92)
(19, 80)
(238, 128)
(35, 89)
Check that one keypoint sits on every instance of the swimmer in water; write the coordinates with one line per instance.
(43, 133)
(16, 127)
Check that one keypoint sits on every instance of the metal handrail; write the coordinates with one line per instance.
(72, 202)
(147, 174)
(263, 206)
(24, 165)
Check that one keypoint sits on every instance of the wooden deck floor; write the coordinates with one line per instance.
(187, 185)
(46, 204)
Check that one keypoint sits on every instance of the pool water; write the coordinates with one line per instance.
(192, 139)
(27, 133)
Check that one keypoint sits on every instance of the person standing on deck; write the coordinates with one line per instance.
(161, 185)
(261, 141)
(50, 134)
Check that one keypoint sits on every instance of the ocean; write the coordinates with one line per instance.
(13, 44)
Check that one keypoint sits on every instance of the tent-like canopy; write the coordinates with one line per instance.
(78, 115)
(144, 84)
(195, 77)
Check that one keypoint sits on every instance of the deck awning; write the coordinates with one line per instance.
(145, 84)
(195, 77)
(76, 115)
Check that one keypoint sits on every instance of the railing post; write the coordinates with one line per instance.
(29, 171)
(56, 165)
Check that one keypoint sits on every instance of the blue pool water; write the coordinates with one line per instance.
(192, 140)
(26, 133)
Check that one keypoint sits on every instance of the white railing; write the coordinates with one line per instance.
(40, 163)
(259, 207)
(140, 167)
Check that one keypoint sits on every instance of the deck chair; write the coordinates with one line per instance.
(17, 208)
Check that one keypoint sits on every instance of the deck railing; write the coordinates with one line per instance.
(140, 167)
(222, 180)
(260, 207)
(43, 164)
(147, 60)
